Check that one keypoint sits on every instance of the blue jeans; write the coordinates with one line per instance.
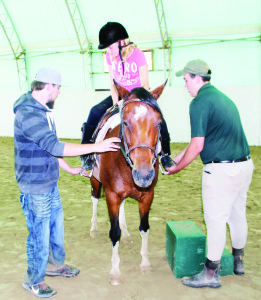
(45, 222)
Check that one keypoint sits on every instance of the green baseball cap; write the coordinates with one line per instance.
(196, 67)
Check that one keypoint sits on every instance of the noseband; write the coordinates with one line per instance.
(126, 150)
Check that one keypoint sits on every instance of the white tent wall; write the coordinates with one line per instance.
(235, 67)
(195, 30)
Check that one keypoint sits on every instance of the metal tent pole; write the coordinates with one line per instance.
(18, 50)
(83, 41)
(166, 41)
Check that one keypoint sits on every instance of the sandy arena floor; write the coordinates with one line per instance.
(176, 198)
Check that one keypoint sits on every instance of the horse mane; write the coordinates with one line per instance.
(146, 97)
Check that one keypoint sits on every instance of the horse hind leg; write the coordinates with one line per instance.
(125, 236)
(94, 228)
(96, 191)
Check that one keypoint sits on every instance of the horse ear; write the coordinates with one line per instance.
(123, 93)
(158, 91)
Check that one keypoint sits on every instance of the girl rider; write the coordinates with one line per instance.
(127, 65)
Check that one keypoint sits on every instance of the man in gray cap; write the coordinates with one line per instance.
(38, 156)
(218, 137)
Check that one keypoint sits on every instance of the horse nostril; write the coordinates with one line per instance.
(143, 178)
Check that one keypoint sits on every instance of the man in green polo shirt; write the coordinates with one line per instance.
(218, 137)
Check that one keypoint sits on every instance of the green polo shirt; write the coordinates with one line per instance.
(215, 116)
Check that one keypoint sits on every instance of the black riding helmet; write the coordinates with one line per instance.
(111, 33)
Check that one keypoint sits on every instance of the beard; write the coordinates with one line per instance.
(50, 104)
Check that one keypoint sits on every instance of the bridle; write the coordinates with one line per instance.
(124, 148)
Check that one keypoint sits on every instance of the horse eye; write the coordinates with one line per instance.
(125, 123)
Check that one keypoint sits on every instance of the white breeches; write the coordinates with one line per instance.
(224, 193)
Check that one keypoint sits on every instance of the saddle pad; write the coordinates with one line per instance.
(110, 124)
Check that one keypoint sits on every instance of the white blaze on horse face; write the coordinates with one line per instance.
(140, 111)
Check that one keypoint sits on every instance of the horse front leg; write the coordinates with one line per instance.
(96, 191)
(125, 236)
(145, 265)
(115, 273)
(115, 235)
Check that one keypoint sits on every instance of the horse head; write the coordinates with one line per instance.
(141, 119)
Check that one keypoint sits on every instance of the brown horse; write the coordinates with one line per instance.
(131, 172)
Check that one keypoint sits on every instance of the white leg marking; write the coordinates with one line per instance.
(145, 263)
(125, 236)
(115, 274)
(94, 229)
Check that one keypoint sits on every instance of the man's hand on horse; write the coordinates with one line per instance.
(108, 145)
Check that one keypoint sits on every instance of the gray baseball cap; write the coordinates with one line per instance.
(48, 75)
(197, 67)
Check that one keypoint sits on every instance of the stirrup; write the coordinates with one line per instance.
(162, 169)
(87, 162)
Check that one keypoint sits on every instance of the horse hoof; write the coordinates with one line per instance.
(94, 233)
(146, 269)
(115, 279)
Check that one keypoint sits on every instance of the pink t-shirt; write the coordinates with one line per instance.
(131, 77)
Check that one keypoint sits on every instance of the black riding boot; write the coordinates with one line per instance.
(166, 160)
(87, 132)
(238, 261)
